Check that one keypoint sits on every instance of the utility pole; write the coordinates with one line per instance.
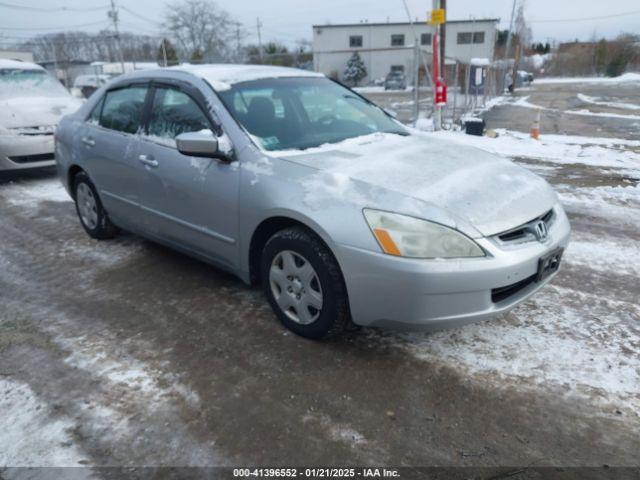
(113, 15)
(258, 27)
(416, 67)
(238, 42)
(437, 73)
(443, 38)
(508, 45)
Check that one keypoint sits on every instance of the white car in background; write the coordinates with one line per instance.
(32, 102)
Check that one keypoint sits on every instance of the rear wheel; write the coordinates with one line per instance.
(304, 285)
(93, 217)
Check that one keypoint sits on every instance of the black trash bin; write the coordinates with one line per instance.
(474, 126)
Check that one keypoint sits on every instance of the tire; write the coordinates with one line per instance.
(293, 289)
(92, 215)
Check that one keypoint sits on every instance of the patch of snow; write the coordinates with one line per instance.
(32, 434)
(613, 204)
(604, 255)
(598, 101)
(338, 432)
(257, 168)
(627, 77)
(588, 113)
(604, 152)
(323, 187)
(34, 192)
(425, 124)
(480, 62)
(582, 343)
(103, 359)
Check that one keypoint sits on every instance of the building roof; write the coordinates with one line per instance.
(404, 24)
(222, 76)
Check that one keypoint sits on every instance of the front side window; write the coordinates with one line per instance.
(355, 41)
(425, 39)
(397, 40)
(174, 112)
(464, 38)
(478, 37)
(301, 113)
(122, 109)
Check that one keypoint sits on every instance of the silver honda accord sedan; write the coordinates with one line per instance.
(285, 178)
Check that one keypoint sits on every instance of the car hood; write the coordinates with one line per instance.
(491, 193)
(35, 111)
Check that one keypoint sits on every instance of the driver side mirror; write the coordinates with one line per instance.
(201, 144)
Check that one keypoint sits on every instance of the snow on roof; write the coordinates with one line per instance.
(223, 76)
(5, 63)
(480, 62)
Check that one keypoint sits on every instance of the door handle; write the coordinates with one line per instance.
(148, 160)
(88, 141)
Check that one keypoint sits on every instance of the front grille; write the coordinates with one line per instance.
(502, 293)
(42, 157)
(524, 233)
(31, 131)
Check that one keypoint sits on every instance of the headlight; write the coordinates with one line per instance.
(411, 237)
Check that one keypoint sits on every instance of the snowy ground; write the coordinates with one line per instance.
(125, 353)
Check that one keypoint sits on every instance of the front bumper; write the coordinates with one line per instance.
(417, 294)
(18, 152)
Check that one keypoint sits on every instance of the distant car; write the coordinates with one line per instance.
(395, 81)
(87, 84)
(31, 104)
(286, 178)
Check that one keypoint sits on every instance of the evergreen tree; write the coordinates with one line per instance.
(355, 70)
(172, 56)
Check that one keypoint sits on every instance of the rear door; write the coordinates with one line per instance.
(109, 144)
(188, 201)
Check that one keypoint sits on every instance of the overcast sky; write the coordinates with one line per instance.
(288, 20)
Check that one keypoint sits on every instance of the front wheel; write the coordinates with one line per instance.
(93, 217)
(304, 285)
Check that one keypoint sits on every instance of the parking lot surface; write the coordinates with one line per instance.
(126, 353)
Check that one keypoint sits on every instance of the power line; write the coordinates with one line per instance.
(66, 27)
(586, 19)
(141, 17)
(52, 9)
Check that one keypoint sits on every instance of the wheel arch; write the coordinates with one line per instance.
(270, 226)
(72, 172)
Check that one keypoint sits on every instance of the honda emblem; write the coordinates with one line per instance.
(540, 229)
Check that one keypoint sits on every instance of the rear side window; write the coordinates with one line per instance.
(122, 109)
(174, 112)
(94, 118)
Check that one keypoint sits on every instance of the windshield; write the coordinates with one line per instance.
(300, 113)
(29, 83)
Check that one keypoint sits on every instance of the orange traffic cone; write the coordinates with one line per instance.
(535, 128)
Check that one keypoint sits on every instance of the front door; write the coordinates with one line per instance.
(188, 201)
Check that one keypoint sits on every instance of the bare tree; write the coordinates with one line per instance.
(202, 30)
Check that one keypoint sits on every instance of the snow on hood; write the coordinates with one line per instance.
(491, 193)
(36, 111)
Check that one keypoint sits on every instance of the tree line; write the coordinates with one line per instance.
(192, 31)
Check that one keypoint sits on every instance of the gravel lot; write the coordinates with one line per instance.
(126, 353)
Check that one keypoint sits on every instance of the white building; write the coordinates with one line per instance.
(16, 55)
(389, 46)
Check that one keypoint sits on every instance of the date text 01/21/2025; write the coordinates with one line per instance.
(316, 473)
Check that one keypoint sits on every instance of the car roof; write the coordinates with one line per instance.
(17, 64)
(223, 76)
